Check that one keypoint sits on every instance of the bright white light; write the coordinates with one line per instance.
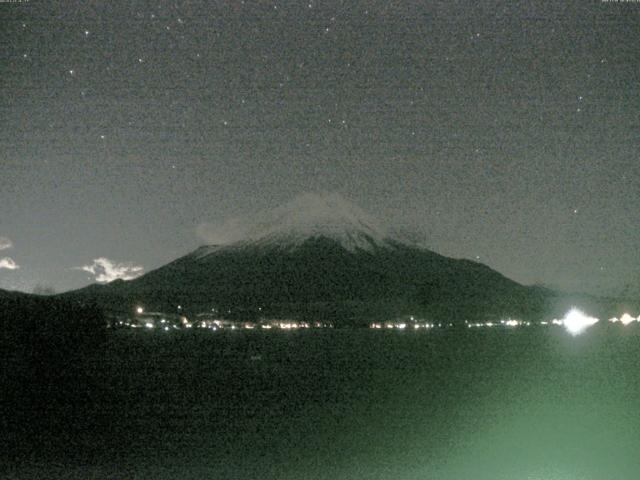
(148, 325)
(577, 322)
(512, 323)
(140, 310)
(626, 319)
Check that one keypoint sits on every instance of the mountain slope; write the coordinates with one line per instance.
(322, 256)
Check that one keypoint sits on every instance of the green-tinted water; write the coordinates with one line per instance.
(453, 404)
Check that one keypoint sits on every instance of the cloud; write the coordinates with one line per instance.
(230, 231)
(105, 270)
(8, 263)
(5, 243)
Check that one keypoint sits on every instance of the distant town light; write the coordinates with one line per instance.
(139, 310)
(626, 319)
(577, 322)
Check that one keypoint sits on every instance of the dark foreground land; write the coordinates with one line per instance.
(453, 404)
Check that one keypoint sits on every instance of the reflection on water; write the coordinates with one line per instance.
(329, 404)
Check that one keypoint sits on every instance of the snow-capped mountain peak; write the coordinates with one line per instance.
(320, 215)
(314, 215)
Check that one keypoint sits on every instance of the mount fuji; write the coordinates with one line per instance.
(309, 216)
(321, 256)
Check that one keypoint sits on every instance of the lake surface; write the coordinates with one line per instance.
(525, 403)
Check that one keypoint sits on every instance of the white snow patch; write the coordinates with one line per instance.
(311, 215)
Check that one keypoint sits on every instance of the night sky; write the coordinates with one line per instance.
(506, 132)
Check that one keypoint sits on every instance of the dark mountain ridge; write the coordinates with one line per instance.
(319, 277)
(321, 257)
